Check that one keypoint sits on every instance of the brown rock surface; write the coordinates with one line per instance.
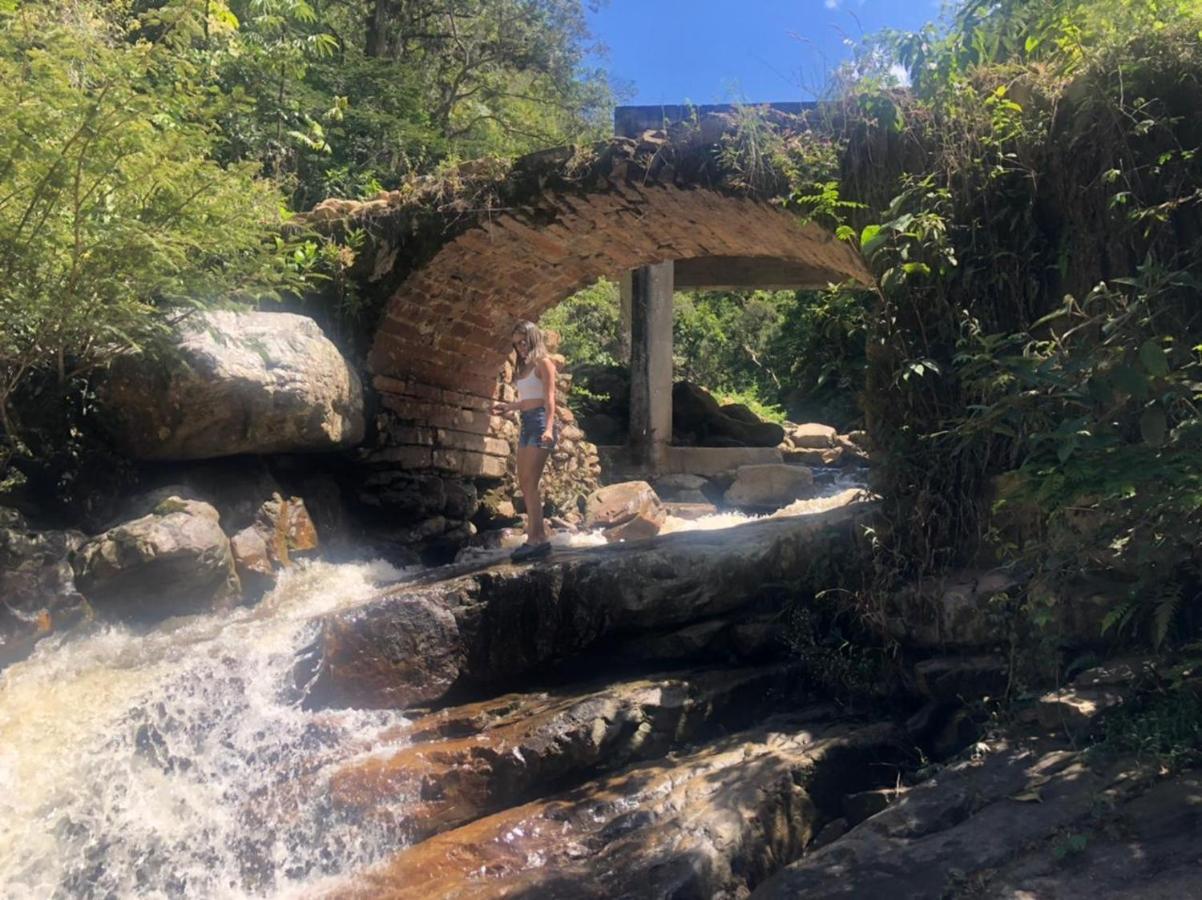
(617, 504)
(710, 823)
(409, 645)
(471, 760)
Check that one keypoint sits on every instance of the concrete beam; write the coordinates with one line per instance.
(651, 363)
(624, 313)
(750, 272)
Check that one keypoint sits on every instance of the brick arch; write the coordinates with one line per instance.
(449, 323)
(455, 267)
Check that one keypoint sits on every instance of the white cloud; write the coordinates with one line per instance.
(831, 4)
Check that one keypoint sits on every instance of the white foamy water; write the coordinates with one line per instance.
(179, 761)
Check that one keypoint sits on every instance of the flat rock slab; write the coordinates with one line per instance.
(487, 627)
(467, 761)
(970, 818)
(711, 823)
(1144, 848)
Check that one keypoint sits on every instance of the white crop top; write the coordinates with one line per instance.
(529, 387)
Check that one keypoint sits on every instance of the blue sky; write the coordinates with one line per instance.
(715, 51)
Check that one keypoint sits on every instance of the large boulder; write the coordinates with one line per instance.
(37, 584)
(769, 486)
(242, 383)
(174, 561)
(698, 419)
(813, 435)
(627, 511)
(415, 643)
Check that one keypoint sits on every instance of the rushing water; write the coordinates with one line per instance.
(179, 760)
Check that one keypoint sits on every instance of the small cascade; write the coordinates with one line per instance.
(185, 759)
(180, 761)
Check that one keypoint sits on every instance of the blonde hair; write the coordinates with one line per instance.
(536, 348)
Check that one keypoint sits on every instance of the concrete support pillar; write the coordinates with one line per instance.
(651, 364)
(624, 311)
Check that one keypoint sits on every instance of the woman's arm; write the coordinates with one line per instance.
(546, 373)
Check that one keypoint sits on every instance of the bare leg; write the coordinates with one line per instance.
(534, 503)
(528, 482)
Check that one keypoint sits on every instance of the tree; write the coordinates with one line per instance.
(115, 220)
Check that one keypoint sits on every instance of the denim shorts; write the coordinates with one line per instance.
(534, 423)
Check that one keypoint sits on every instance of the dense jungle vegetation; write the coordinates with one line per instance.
(152, 149)
(1030, 204)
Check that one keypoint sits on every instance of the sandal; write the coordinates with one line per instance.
(530, 551)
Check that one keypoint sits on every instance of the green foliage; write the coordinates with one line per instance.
(1037, 243)
(1165, 726)
(588, 323)
(353, 97)
(778, 353)
(115, 220)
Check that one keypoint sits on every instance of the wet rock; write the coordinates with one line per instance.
(691, 510)
(710, 823)
(813, 435)
(37, 584)
(385, 656)
(814, 456)
(628, 511)
(505, 621)
(244, 383)
(174, 561)
(282, 530)
(769, 486)
(969, 818)
(472, 760)
(671, 487)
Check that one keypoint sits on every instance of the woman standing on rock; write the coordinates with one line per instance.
(534, 381)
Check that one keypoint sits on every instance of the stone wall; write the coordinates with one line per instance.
(439, 453)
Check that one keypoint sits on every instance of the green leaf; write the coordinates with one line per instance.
(1132, 381)
(1153, 357)
(1153, 426)
(870, 239)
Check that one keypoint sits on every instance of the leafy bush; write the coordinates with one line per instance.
(115, 220)
(1037, 238)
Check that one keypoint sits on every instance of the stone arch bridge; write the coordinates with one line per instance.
(453, 262)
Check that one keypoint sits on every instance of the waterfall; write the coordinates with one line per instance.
(179, 760)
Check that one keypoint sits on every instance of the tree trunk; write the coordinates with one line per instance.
(376, 45)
